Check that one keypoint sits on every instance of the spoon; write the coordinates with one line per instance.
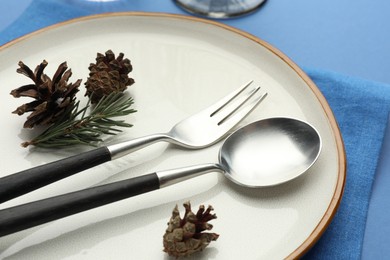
(264, 153)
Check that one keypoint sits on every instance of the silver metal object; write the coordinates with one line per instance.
(220, 8)
(265, 153)
(204, 128)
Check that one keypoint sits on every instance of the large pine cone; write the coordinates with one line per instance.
(107, 75)
(52, 96)
(184, 237)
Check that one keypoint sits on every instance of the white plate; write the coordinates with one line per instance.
(181, 65)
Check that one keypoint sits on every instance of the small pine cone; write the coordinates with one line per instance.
(52, 96)
(107, 75)
(184, 237)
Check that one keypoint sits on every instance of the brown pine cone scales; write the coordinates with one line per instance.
(52, 96)
(185, 236)
(107, 75)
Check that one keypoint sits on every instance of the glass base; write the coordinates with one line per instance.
(219, 8)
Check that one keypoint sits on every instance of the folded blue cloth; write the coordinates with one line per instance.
(361, 108)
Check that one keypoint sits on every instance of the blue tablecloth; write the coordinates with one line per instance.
(360, 106)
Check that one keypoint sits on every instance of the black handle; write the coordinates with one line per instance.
(36, 213)
(20, 183)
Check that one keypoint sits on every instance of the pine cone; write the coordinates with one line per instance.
(52, 96)
(107, 75)
(184, 237)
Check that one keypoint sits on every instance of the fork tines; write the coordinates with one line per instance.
(234, 107)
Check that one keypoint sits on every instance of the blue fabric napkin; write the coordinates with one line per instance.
(361, 108)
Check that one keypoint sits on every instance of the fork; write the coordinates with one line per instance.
(198, 131)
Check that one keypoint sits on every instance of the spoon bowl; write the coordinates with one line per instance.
(264, 153)
(270, 152)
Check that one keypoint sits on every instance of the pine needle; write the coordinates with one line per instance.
(79, 128)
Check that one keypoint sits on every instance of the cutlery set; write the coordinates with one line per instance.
(264, 153)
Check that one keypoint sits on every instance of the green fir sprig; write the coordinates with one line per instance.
(79, 127)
